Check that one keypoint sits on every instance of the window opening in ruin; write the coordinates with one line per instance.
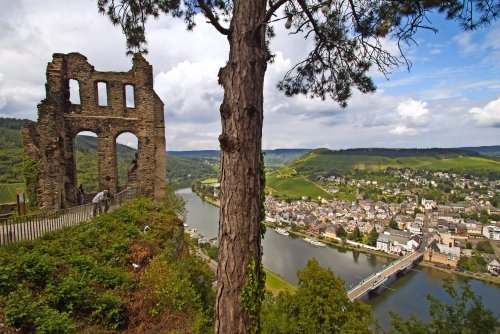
(129, 96)
(102, 94)
(87, 169)
(74, 91)
(126, 149)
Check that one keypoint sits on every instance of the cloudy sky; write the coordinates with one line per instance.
(450, 98)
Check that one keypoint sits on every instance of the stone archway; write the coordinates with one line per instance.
(51, 140)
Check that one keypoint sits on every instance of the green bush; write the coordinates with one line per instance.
(485, 246)
(7, 279)
(113, 278)
(50, 321)
(20, 310)
(83, 275)
(36, 268)
(73, 293)
(108, 311)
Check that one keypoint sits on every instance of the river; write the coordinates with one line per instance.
(285, 255)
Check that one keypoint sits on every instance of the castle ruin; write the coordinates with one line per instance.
(51, 140)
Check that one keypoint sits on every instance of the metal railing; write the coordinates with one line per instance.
(392, 264)
(30, 227)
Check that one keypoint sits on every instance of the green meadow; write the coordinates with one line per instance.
(210, 181)
(294, 186)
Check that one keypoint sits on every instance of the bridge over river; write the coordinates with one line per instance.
(376, 280)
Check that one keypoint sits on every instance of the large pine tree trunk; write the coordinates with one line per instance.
(240, 143)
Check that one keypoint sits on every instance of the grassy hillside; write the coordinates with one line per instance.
(295, 179)
(8, 192)
(108, 276)
(294, 186)
(326, 161)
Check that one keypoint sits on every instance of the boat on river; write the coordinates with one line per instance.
(281, 231)
(314, 242)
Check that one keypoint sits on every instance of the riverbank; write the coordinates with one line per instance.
(205, 198)
(276, 284)
(485, 277)
(337, 244)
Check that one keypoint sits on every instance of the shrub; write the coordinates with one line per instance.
(20, 310)
(7, 278)
(50, 321)
(73, 293)
(37, 268)
(485, 246)
(108, 311)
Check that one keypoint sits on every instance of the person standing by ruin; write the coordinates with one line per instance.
(106, 201)
(97, 200)
(81, 195)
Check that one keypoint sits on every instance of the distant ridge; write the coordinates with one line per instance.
(486, 150)
(400, 152)
(217, 152)
(186, 153)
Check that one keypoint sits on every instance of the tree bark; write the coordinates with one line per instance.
(240, 143)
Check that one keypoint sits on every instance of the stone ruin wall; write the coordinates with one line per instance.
(51, 140)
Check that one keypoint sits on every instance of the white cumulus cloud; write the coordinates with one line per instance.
(487, 116)
(412, 117)
(403, 130)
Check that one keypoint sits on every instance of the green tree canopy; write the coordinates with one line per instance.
(355, 235)
(373, 236)
(320, 305)
(341, 232)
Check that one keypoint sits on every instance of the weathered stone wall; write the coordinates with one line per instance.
(52, 138)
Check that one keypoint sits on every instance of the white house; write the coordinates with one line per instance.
(416, 228)
(491, 232)
(494, 267)
(383, 244)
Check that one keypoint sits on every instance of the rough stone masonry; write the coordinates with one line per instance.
(51, 140)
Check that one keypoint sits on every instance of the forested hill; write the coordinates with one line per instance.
(493, 151)
(273, 158)
(217, 152)
(88, 143)
(402, 152)
(11, 150)
(12, 123)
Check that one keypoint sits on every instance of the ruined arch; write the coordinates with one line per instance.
(87, 176)
(51, 140)
(127, 167)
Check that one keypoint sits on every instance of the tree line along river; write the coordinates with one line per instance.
(284, 255)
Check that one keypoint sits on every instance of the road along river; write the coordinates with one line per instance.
(285, 255)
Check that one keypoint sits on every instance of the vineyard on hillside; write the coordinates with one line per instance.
(8, 192)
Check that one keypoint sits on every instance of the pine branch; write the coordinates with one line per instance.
(210, 15)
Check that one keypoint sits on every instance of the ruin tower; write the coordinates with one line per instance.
(51, 140)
